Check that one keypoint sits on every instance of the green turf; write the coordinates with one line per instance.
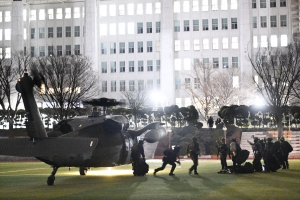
(27, 180)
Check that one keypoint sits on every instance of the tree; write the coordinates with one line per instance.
(10, 70)
(64, 81)
(277, 70)
(136, 101)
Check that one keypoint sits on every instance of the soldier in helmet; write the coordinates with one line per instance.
(257, 151)
(193, 151)
(137, 152)
(285, 149)
(234, 150)
(222, 152)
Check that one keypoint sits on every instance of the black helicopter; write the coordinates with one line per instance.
(84, 142)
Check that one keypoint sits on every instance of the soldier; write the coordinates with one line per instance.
(137, 152)
(257, 152)
(193, 151)
(285, 149)
(234, 149)
(170, 157)
(222, 152)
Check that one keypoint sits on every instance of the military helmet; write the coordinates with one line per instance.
(269, 139)
(233, 139)
(256, 139)
(141, 141)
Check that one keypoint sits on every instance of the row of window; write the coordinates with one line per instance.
(130, 66)
(131, 85)
(51, 50)
(273, 21)
(263, 3)
(59, 32)
(272, 41)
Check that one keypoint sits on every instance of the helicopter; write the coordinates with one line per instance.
(98, 140)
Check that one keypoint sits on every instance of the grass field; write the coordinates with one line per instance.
(27, 180)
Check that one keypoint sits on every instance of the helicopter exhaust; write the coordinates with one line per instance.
(155, 135)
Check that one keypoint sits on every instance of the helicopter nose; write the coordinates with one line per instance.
(155, 135)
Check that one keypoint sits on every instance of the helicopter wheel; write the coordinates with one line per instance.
(83, 171)
(50, 180)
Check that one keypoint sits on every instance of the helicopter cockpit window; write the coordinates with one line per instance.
(64, 127)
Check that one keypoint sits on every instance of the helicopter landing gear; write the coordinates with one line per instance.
(51, 178)
(83, 171)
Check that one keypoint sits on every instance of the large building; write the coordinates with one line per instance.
(148, 44)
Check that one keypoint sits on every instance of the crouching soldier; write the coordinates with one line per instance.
(234, 149)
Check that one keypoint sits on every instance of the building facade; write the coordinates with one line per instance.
(148, 44)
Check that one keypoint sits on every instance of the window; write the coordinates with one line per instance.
(273, 21)
(41, 33)
(149, 46)
(150, 84)
(204, 24)
(263, 4)
(76, 31)
(176, 6)
(272, 3)
(186, 6)
(215, 62)
(206, 62)
(112, 10)
(149, 27)
(50, 32)
(282, 3)
(283, 39)
(224, 5)
(130, 28)
(177, 64)
(103, 48)
(68, 50)
(122, 66)
(195, 25)
(140, 27)
(50, 14)
(50, 51)
(59, 32)
(77, 49)
(0, 16)
(24, 33)
(196, 44)
(113, 48)
(234, 4)
(253, 3)
(158, 84)
(274, 60)
(205, 43)
(140, 47)
(122, 47)
(7, 17)
(121, 10)
(32, 51)
(122, 86)
(215, 43)
(130, 9)
(68, 13)
(59, 13)
(104, 86)
(282, 20)
(235, 81)
(263, 21)
(131, 47)
(263, 41)
(42, 14)
(204, 5)
(177, 45)
(32, 15)
(234, 43)
(195, 5)
(233, 23)
(214, 4)
(157, 65)
(131, 66)
(103, 10)
(112, 29)
(214, 24)
(76, 12)
(103, 67)
(274, 41)
(235, 62)
(186, 25)
(68, 31)
(176, 26)
(187, 82)
(139, 9)
(103, 29)
(225, 62)
(177, 83)
(255, 42)
(254, 19)
(140, 66)
(224, 24)
(157, 25)
(131, 85)
(24, 16)
(186, 45)
(113, 67)
(7, 34)
(32, 33)
(113, 86)
(149, 8)
(59, 50)
(225, 43)
(157, 7)
(149, 65)
(122, 29)
(42, 51)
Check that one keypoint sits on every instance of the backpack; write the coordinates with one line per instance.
(289, 147)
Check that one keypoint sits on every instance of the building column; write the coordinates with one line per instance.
(167, 73)
(17, 30)
(90, 32)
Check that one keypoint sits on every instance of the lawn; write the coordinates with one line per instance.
(27, 180)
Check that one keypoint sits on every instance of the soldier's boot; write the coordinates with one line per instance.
(287, 164)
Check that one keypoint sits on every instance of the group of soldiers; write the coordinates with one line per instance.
(274, 155)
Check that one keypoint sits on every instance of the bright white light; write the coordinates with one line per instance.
(259, 101)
